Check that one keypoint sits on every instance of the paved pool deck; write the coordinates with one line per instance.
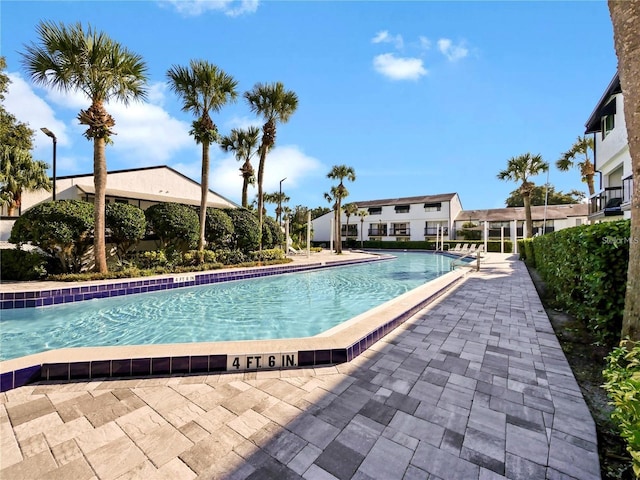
(474, 386)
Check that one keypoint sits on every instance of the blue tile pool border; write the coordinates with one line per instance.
(200, 364)
(58, 295)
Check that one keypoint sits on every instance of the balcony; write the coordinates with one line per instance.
(433, 231)
(400, 231)
(378, 231)
(608, 202)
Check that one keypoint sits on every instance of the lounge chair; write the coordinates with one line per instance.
(293, 251)
(464, 249)
(471, 249)
(457, 248)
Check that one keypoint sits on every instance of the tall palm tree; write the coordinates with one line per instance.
(203, 88)
(71, 58)
(341, 172)
(19, 173)
(350, 209)
(362, 214)
(625, 17)
(277, 198)
(244, 143)
(274, 104)
(332, 198)
(519, 169)
(581, 149)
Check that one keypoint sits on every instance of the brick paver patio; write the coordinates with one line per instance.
(475, 386)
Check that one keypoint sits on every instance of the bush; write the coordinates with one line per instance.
(126, 224)
(192, 257)
(150, 259)
(218, 229)
(622, 377)
(230, 257)
(585, 269)
(21, 265)
(525, 247)
(267, 255)
(246, 235)
(276, 235)
(177, 226)
(63, 229)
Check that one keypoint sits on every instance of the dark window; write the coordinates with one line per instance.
(432, 207)
(375, 211)
(402, 208)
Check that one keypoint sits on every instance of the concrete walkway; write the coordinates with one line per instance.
(473, 387)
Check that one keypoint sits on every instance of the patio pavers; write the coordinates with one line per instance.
(475, 386)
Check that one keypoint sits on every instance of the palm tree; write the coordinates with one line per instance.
(244, 143)
(362, 214)
(341, 172)
(625, 17)
(203, 88)
(519, 169)
(277, 198)
(581, 147)
(274, 104)
(71, 58)
(350, 209)
(332, 198)
(19, 173)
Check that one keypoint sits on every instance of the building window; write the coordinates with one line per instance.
(400, 229)
(375, 210)
(378, 230)
(353, 230)
(431, 229)
(608, 124)
(432, 207)
(402, 208)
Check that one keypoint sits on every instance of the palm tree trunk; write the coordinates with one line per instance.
(100, 185)
(204, 195)
(625, 17)
(263, 156)
(526, 199)
(245, 187)
(339, 226)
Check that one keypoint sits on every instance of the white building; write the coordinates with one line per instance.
(611, 157)
(142, 187)
(396, 219)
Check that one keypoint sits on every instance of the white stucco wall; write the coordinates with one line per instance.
(613, 150)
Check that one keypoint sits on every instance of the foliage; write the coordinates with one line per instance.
(62, 229)
(580, 149)
(275, 233)
(538, 194)
(467, 232)
(244, 144)
(268, 254)
(176, 225)
(127, 225)
(585, 269)
(525, 247)
(219, 229)
(19, 172)
(22, 265)
(246, 235)
(231, 257)
(13, 133)
(622, 384)
(192, 257)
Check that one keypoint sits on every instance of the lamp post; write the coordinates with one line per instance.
(50, 134)
(280, 202)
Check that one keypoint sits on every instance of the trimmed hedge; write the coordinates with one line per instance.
(622, 377)
(177, 226)
(22, 265)
(585, 269)
(492, 245)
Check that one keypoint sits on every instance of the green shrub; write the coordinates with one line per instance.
(585, 269)
(246, 235)
(218, 229)
(231, 257)
(525, 247)
(150, 259)
(126, 225)
(268, 254)
(177, 226)
(275, 234)
(192, 257)
(22, 265)
(63, 229)
(622, 377)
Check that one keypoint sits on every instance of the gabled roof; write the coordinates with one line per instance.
(444, 197)
(604, 106)
(554, 212)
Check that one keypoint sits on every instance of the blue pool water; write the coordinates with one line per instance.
(282, 306)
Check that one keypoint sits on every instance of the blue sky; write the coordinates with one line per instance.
(418, 97)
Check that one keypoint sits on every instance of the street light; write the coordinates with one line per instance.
(50, 134)
(280, 202)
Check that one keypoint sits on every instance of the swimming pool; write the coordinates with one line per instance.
(284, 306)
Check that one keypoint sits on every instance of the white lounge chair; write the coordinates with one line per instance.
(293, 251)
(465, 248)
(472, 249)
(457, 248)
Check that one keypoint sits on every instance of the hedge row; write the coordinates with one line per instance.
(585, 269)
(492, 245)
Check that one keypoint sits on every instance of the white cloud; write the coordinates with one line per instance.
(425, 43)
(286, 161)
(242, 122)
(399, 68)
(451, 51)
(231, 8)
(384, 37)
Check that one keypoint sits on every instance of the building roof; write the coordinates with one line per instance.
(554, 212)
(604, 106)
(443, 197)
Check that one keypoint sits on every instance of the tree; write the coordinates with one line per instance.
(246, 229)
(12, 132)
(350, 209)
(20, 173)
(203, 88)
(244, 143)
(127, 225)
(625, 17)
(71, 58)
(519, 169)
(580, 149)
(219, 229)
(340, 172)
(540, 192)
(277, 198)
(274, 104)
(175, 224)
(332, 198)
(362, 214)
